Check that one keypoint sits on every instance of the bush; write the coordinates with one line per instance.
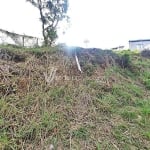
(125, 61)
(145, 53)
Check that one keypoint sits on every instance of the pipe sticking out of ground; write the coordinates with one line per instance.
(77, 61)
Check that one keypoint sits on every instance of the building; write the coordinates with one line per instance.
(139, 44)
(7, 37)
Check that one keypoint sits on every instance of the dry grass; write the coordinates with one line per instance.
(103, 108)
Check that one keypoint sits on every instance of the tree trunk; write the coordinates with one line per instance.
(44, 36)
(42, 19)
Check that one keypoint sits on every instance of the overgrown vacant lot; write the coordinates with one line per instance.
(45, 100)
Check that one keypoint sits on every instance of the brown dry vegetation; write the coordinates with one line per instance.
(105, 107)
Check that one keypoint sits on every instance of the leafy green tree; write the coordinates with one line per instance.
(51, 13)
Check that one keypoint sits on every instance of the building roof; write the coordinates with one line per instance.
(119, 47)
(144, 40)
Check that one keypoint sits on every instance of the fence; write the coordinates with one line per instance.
(7, 37)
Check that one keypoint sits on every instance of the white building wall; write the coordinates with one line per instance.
(19, 40)
(139, 45)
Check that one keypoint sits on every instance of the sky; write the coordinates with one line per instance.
(105, 23)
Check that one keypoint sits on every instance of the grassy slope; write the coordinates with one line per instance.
(108, 110)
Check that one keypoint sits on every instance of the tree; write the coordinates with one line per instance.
(51, 13)
(86, 41)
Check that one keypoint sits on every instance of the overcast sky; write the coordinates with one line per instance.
(105, 23)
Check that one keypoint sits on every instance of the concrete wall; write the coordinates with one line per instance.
(7, 37)
(139, 45)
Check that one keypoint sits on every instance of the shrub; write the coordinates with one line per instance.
(125, 61)
(145, 53)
